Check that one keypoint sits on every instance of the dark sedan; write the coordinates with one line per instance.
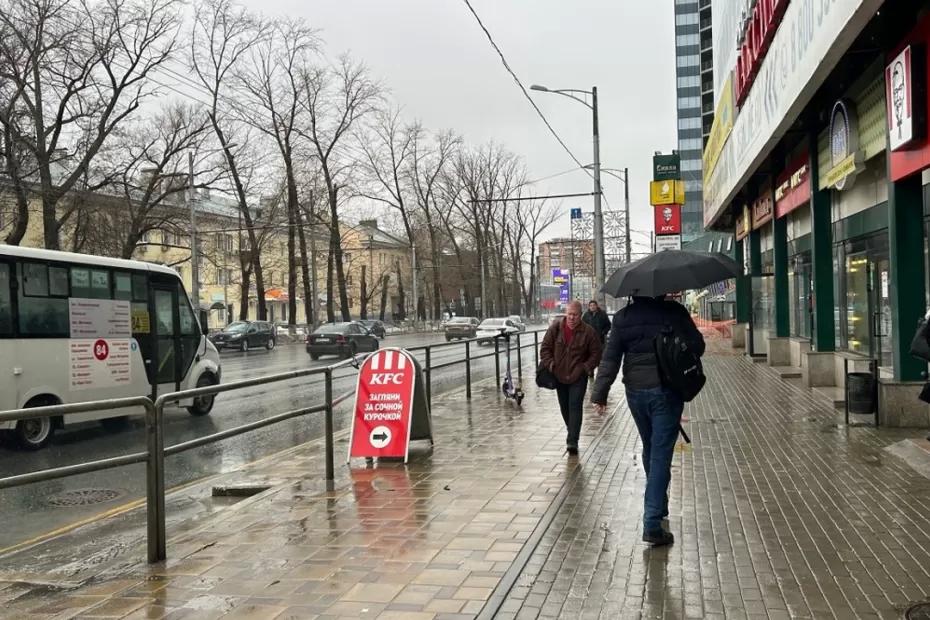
(244, 335)
(459, 327)
(375, 327)
(342, 339)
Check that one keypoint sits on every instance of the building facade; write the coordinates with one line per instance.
(819, 167)
(694, 103)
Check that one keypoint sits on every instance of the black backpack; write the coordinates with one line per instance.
(679, 367)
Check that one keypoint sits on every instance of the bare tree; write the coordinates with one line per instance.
(273, 78)
(531, 219)
(148, 168)
(428, 166)
(74, 72)
(335, 99)
(221, 38)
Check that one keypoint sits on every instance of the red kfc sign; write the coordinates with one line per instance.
(383, 405)
(668, 220)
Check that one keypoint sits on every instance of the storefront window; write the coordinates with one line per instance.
(864, 298)
(799, 301)
(763, 313)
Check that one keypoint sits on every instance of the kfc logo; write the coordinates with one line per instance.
(904, 99)
(668, 220)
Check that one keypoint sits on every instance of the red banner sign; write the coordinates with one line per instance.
(906, 86)
(668, 220)
(794, 186)
(762, 209)
(760, 28)
(383, 405)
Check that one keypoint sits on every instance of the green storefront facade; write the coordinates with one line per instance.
(829, 201)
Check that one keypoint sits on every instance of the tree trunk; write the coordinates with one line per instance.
(304, 267)
(291, 248)
(385, 281)
(50, 223)
(401, 296)
(363, 294)
(336, 243)
(245, 267)
(330, 308)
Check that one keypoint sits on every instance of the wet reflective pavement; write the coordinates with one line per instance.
(27, 512)
(777, 513)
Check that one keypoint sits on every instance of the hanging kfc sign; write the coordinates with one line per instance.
(668, 220)
(905, 97)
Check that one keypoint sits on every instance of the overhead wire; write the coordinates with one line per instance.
(522, 88)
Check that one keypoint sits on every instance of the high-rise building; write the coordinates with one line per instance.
(695, 103)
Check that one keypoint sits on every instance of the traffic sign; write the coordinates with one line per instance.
(576, 213)
(390, 406)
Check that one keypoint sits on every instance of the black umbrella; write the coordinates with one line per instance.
(669, 272)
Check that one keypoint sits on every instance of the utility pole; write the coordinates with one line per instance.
(626, 209)
(599, 264)
(195, 255)
(481, 269)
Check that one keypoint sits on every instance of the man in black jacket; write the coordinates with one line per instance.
(656, 409)
(597, 318)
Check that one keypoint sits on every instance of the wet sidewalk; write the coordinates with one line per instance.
(777, 512)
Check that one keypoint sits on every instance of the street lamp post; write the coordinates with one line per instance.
(599, 263)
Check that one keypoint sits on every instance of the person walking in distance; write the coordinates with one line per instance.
(597, 318)
(656, 408)
(571, 350)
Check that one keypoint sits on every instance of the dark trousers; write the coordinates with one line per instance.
(657, 413)
(571, 404)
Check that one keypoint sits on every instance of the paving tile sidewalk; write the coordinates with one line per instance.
(777, 511)
(431, 540)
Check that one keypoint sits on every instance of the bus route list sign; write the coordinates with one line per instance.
(99, 318)
(390, 406)
(100, 363)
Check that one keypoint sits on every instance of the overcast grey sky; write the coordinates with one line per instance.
(441, 69)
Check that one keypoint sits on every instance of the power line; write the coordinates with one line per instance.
(523, 88)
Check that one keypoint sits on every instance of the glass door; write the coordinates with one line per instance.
(167, 345)
(881, 311)
(858, 310)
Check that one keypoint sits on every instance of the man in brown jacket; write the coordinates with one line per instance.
(571, 349)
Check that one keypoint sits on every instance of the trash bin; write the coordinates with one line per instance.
(860, 392)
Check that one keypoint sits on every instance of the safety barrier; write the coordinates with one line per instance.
(153, 412)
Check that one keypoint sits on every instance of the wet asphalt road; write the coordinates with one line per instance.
(29, 512)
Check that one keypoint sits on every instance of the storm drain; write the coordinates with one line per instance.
(239, 490)
(920, 611)
(83, 497)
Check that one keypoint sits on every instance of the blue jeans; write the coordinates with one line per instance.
(657, 413)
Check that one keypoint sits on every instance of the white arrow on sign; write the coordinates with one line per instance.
(380, 436)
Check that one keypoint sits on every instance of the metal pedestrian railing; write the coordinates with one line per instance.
(153, 412)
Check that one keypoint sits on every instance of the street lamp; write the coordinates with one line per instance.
(599, 264)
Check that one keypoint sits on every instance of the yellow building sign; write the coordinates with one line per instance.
(724, 117)
(666, 193)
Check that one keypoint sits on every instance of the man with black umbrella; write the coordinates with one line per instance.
(656, 408)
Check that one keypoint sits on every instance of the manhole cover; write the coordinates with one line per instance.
(920, 611)
(83, 497)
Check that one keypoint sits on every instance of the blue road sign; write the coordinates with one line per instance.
(576, 213)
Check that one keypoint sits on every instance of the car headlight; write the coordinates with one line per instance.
(235, 337)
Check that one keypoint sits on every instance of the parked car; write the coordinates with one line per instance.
(375, 327)
(341, 339)
(459, 327)
(244, 335)
(518, 322)
(489, 329)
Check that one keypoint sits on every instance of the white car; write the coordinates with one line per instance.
(489, 329)
(515, 318)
